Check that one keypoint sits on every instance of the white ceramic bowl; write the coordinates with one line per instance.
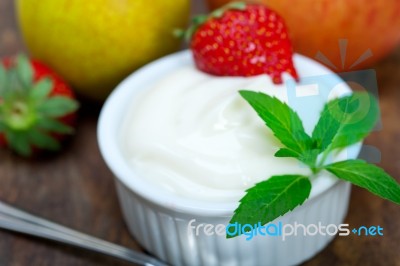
(159, 220)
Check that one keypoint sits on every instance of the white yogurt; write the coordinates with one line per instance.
(194, 135)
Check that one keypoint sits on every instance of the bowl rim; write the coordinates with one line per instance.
(110, 120)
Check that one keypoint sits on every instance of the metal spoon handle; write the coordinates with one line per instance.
(16, 220)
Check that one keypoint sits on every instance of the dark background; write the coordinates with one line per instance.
(76, 189)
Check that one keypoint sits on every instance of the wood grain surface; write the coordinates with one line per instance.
(76, 189)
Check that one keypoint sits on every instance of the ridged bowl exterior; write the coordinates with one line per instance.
(164, 232)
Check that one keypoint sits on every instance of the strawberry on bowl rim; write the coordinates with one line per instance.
(241, 39)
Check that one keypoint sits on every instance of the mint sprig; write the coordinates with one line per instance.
(343, 121)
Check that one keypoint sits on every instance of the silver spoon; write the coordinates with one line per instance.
(16, 220)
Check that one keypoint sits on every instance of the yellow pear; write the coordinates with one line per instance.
(94, 44)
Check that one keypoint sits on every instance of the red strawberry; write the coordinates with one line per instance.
(37, 108)
(242, 40)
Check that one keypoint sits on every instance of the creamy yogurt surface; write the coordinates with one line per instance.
(192, 134)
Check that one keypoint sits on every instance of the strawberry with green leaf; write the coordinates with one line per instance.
(241, 40)
(37, 108)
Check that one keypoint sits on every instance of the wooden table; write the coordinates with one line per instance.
(76, 189)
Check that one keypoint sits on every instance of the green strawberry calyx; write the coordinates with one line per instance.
(197, 21)
(29, 114)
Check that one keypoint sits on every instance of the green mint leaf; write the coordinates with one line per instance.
(272, 198)
(43, 141)
(345, 121)
(58, 106)
(327, 126)
(282, 120)
(367, 176)
(41, 90)
(309, 157)
(52, 125)
(24, 71)
(283, 152)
